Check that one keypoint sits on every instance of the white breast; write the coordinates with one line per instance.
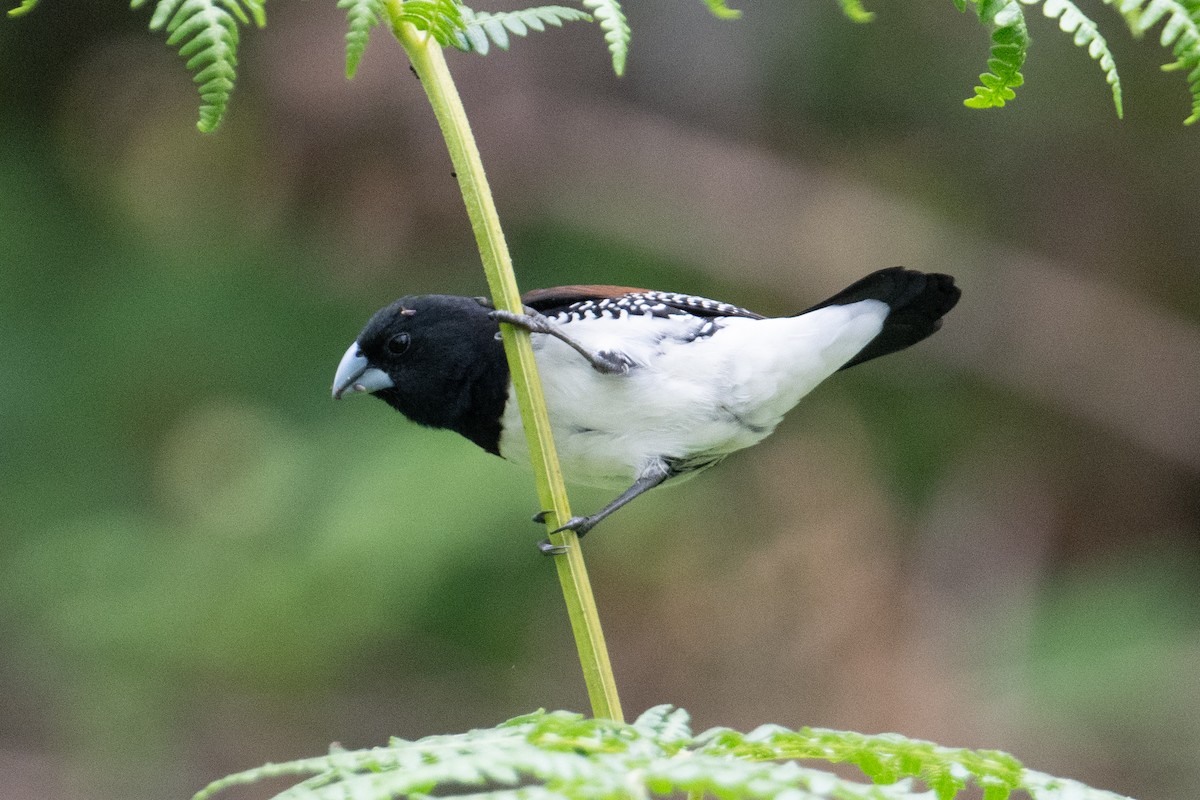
(687, 397)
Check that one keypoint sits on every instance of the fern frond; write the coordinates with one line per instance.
(25, 7)
(481, 30)
(665, 723)
(563, 756)
(720, 10)
(1180, 33)
(362, 16)
(441, 19)
(206, 32)
(616, 29)
(1010, 44)
(1072, 20)
(884, 758)
(856, 12)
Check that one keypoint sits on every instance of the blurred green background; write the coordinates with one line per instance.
(205, 563)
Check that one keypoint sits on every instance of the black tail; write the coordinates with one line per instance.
(918, 301)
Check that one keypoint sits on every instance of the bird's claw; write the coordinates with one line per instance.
(534, 323)
(550, 549)
(611, 362)
(581, 525)
(606, 362)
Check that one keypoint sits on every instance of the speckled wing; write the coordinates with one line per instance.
(576, 303)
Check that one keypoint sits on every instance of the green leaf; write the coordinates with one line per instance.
(1180, 21)
(362, 16)
(1180, 33)
(1072, 20)
(857, 13)
(481, 30)
(616, 29)
(564, 756)
(1010, 43)
(206, 32)
(25, 7)
(720, 10)
(441, 19)
(665, 723)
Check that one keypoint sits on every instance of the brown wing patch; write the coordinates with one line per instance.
(560, 296)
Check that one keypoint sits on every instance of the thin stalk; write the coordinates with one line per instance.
(430, 65)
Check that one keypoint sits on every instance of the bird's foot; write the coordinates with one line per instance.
(550, 549)
(534, 323)
(607, 362)
(581, 525)
(611, 362)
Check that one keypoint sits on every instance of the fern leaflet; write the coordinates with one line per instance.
(616, 29)
(481, 30)
(362, 16)
(441, 19)
(1010, 43)
(1072, 20)
(206, 32)
(856, 12)
(721, 10)
(25, 7)
(1181, 33)
(667, 724)
(563, 756)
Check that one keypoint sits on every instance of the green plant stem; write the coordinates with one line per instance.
(430, 65)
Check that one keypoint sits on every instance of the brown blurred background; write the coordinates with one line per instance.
(990, 540)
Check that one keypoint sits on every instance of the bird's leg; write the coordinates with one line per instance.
(651, 476)
(608, 362)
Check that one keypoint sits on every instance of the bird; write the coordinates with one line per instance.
(642, 387)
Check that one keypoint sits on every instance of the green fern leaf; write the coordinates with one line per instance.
(1010, 44)
(25, 7)
(563, 756)
(481, 30)
(857, 13)
(665, 723)
(1180, 33)
(1072, 20)
(884, 758)
(206, 32)
(616, 29)
(362, 15)
(441, 19)
(720, 10)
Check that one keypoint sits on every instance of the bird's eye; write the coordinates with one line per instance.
(398, 343)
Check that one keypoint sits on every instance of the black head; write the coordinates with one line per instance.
(436, 359)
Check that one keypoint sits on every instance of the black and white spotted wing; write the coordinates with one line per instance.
(576, 303)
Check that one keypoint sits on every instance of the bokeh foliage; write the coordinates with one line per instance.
(188, 518)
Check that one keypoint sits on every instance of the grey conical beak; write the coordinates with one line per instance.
(355, 374)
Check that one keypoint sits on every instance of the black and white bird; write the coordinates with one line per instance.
(642, 387)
